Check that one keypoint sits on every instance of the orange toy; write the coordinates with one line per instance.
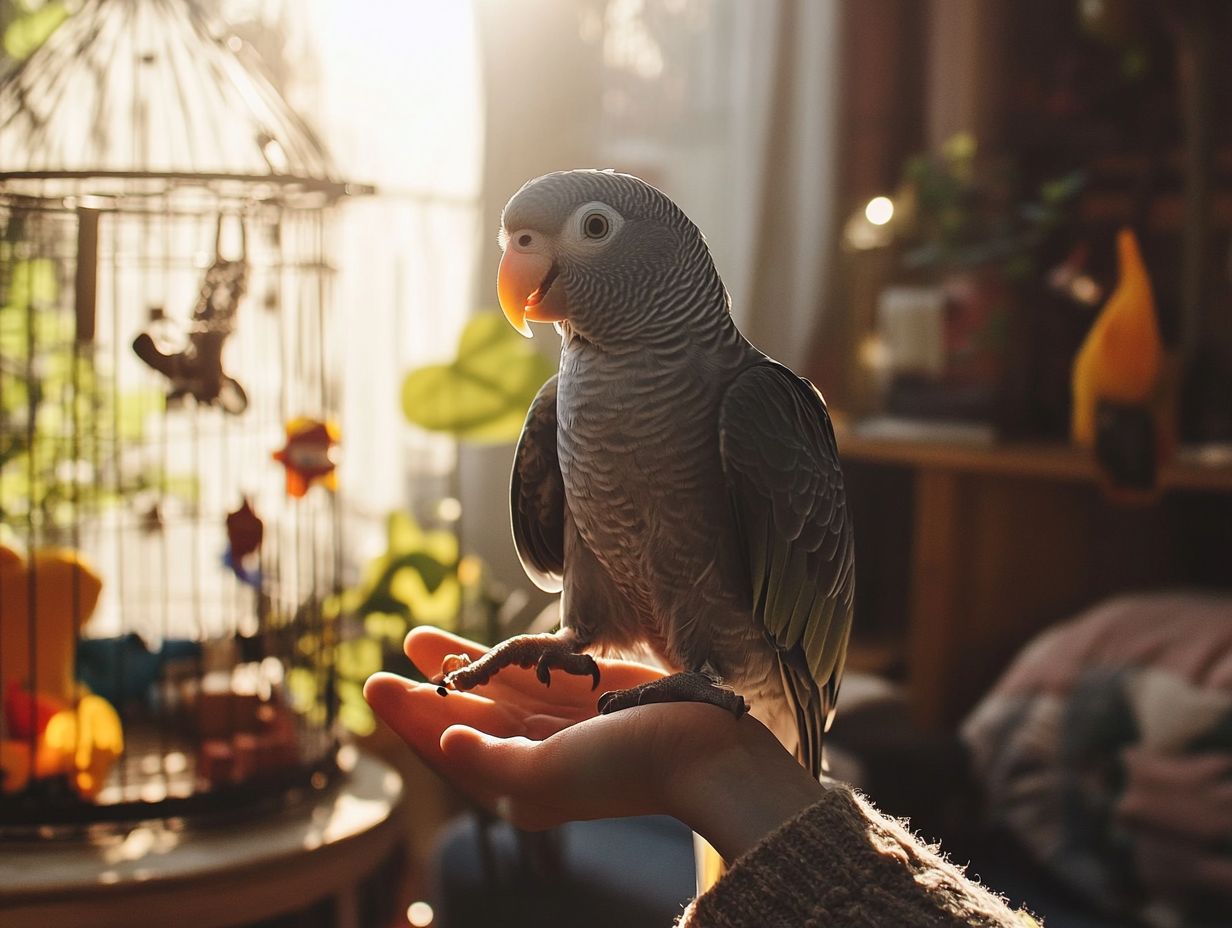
(1121, 359)
(1121, 410)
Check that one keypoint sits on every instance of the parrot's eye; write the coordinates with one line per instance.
(595, 226)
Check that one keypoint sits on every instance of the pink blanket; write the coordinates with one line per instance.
(1106, 748)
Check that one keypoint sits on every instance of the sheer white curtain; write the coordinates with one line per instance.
(782, 137)
(729, 107)
(395, 90)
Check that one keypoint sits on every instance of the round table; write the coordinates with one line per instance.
(215, 877)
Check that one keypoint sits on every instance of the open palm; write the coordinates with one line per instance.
(515, 745)
(540, 755)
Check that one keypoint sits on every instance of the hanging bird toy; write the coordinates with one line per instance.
(245, 532)
(196, 370)
(308, 455)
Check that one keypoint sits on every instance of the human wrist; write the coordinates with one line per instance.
(741, 790)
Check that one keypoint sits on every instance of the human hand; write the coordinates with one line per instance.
(541, 755)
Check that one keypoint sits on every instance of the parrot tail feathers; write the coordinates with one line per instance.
(805, 699)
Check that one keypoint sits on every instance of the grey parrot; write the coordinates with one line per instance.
(678, 487)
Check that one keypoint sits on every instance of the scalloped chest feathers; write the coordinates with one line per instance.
(639, 453)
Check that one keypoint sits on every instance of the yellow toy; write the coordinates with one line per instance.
(1121, 359)
(76, 734)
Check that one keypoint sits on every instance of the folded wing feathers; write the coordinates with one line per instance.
(537, 495)
(783, 474)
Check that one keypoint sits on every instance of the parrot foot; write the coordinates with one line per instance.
(543, 652)
(679, 687)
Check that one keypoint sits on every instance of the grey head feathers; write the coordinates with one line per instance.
(651, 273)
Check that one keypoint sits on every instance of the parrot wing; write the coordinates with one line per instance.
(537, 494)
(780, 460)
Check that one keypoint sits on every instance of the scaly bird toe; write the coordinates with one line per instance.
(543, 652)
(679, 687)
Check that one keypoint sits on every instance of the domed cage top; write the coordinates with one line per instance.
(170, 551)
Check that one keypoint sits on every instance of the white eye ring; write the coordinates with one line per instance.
(593, 224)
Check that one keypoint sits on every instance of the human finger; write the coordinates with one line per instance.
(593, 769)
(427, 647)
(419, 715)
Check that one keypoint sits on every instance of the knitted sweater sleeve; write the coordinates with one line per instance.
(842, 863)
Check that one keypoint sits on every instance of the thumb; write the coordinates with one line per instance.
(486, 755)
(498, 773)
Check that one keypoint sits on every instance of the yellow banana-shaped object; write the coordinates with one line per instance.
(1122, 357)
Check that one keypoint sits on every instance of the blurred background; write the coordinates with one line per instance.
(258, 406)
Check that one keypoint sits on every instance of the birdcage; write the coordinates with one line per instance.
(171, 540)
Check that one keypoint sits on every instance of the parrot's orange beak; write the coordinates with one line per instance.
(524, 285)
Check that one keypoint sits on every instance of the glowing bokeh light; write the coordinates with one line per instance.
(879, 211)
(420, 914)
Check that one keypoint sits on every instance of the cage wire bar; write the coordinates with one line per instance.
(165, 333)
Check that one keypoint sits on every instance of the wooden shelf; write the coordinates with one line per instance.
(968, 551)
(1042, 461)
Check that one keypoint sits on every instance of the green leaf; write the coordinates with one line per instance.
(387, 625)
(33, 282)
(133, 409)
(353, 711)
(359, 658)
(485, 338)
(13, 338)
(356, 716)
(334, 606)
(15, 396)
(484, 393)
(1062, 189)
(402, 532)
(302, 688)
(316, 714)
(430, 570)
(961, 146)
(185, 486)
(309, 645)
(406, 537)
(415, 580)
(26, 33)
(437, 607)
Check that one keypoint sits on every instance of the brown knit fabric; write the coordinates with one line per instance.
(842, 863)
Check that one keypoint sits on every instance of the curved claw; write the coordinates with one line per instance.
(543, 671)
(594, 675)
